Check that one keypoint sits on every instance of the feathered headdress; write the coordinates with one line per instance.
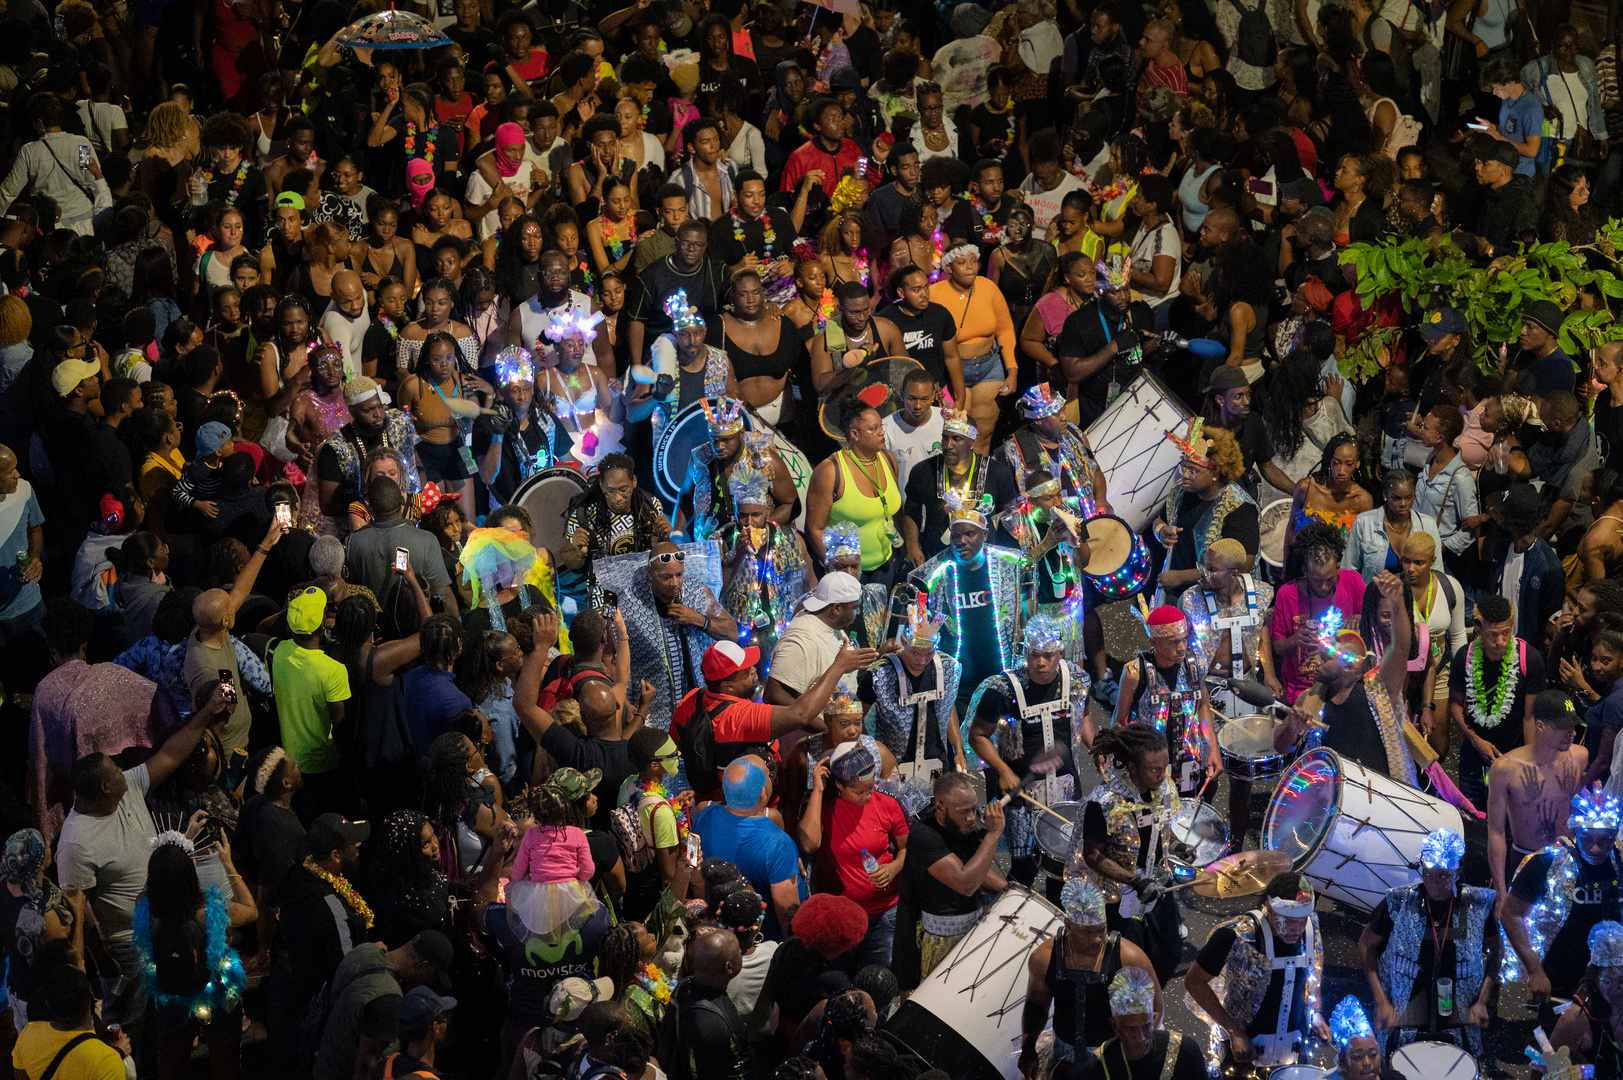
(514, 364)
(1045, 633)
(1112, 274)
(683, 314)
(496, 559)
(976, 512)
(750, 485)
(1349, 1022)
(725, 417)
(923, 629)
(1442, 849)
(1195, 446)
(1132, 991)
(1041, 401)
(1594, 808)
(1083, 902)
(841, 542)
(955, 420)
(569, 322)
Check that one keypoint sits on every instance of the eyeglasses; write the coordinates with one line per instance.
(668, 556)
(668, 757)
(691, 245)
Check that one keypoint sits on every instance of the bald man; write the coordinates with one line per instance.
(22, 526)
(740, 831)
(713, 1033)
(346, 322)
(212, 652)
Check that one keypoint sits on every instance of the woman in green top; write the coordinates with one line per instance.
(858, 485)
(627, 959)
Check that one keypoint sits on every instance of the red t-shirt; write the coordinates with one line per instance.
(463, 106)
(734, 721)
(532, 69)
(848, 829)
(811, 157)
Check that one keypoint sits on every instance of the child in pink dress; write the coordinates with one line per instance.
(554, 850)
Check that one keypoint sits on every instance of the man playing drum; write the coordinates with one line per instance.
(1532, 785)
(1019, 713)
(706, 503)
(1358, 1053)
(1141, 1047)
(1576, 882)
(1125, 830)
(949, 861)
(1430, 953)
(1258, 976)
(1072, 972)
(923, 521)
(1206, 504)
(1163, 688)
(1047, 442)
(1361, 705)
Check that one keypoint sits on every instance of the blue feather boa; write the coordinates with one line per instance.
(226, 976)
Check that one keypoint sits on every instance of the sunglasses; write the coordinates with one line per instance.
(668, 757)
(669, 556)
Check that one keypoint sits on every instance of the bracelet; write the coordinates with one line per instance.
(262, 550)
(497, 438)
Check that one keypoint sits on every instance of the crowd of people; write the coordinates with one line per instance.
(571, 543)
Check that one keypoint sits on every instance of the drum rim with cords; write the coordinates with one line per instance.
(1262, 532)
(1102, 435)
(541, 528)
(829, 408)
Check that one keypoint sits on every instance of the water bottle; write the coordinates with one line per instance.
(869, 863)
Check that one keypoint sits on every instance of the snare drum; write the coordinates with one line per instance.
(544, 497)
(1202, 828)
(1118, 561)
(1271, 523)
(1301, 1072)
(1434, 1061)
(1054, 838)
(1247, 746)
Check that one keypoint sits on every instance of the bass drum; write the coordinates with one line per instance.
(965, 1016)
(1130, 442)
(877, 382)
(1271, 522)
(680, 439)
(544, 497)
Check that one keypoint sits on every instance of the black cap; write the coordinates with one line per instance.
(1519, 501)
(434, 949)
(329, 832)
(1556, 709)
(1503, 153)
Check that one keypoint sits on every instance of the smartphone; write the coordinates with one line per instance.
(611, 600)
(59, 26)
(1264, 188)
(1477, 127)
(693, 849)
(84, 158)
(284, 515)
(402, 560)
(236, 769)
(228, 686)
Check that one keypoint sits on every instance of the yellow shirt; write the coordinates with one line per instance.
(91, 1060)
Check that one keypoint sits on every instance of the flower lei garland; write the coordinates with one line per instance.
(346, 892)
(653, 980)
(768, 237)
(684, 817)
(825, 308)
(585, 273)
(991, 231)
(642, 118)
(237, 180)
(1486, 710)
(389, 325)
(861, 260)
(430, 139)
(612, 239)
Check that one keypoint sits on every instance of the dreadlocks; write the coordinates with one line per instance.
(592, 508)
(1290, 388)
(1128, 743)
(444, 774)
(1315, 544)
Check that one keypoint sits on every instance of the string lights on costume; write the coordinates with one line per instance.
(725, 417)
(1592, 808)
(683, 314)
(1442, 850)
(1132, 991)
(1167, 621)
(1349, 1022)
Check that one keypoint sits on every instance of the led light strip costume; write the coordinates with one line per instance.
(1124, 808)
(1069, 706)
(1208, 525)
(1245, 625)
(766, 583)
(399, 433)
(706, 481)
(902, 715)
(1174, 710)
(1472, 910)
(1592, 808)
(957, 422)
(938, 578)
(515, 366)
(593, 436)
(1248, 971)
(665, 358)
(1388, 720)
(1072, 462)
(1045, 546)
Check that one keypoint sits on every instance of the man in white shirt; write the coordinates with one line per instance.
(913, 432)
(346, 319)
(1045, 189)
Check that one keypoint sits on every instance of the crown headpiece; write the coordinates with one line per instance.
(725, 417)
(1041, 401)
(683, 314)
(1112, 274)
(956, 420)
(1594, 808)
(1083, 902)
(1132, 991)
(1349, 1022)
(514, 364)
(750, 485)
(569, 322)
(1606, 944)
(1195, 446)
(841, 703)
(841, 542)
(975, 511)
(1045, 633)
(923, 628)
(1442, 849)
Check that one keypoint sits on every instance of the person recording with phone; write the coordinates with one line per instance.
(61, 166)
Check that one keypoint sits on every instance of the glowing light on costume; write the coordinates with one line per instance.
(1349, 1022)
(1132, 991)
(1442, 850)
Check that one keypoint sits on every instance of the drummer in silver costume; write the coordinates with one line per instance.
(1163, 688)
(1436, 929)
(764, 565)
(1257, 980)
(914, 692)
(705, 503)
(1141, 1047)
(1072, 972)
(1048, 442)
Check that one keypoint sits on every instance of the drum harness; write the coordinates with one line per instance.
(1174, 1041)
(1281, 1040)
(921, 701)
(1236, 625)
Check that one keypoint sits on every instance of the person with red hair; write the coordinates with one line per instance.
(803, 970)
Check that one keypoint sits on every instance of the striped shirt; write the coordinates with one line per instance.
(1174, 78)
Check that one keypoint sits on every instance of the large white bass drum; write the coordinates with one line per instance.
(1130, 442)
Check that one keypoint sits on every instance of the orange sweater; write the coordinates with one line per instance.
(981, 316)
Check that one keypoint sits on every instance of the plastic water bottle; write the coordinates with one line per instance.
(869, 863)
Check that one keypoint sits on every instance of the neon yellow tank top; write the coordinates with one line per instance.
(870, 514)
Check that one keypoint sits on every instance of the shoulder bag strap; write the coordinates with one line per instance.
(67, 1048)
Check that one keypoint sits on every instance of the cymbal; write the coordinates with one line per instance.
(1244, 874)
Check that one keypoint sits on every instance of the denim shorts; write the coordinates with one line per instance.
(983, 368)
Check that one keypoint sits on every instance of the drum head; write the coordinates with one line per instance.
(1248, 736)
(1207, 833)
(878, 382)
(1434, 1061)
(1110, 545)
(1302, 813)
(1271, 524)
(1298, 1072)
(1053, 837)
(681, 438)
(544, 497)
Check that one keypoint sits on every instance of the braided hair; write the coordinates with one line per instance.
(619, 958)
(1127, 743)
(444, 775)
(1314, 544)
(1322, 473)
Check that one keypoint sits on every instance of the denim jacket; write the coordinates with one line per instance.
(1536, 73)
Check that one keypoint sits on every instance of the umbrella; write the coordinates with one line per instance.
(839, 7)
(392, 30)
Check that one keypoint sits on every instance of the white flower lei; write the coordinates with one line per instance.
(1509, 678)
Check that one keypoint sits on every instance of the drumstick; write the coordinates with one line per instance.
(1045, 809)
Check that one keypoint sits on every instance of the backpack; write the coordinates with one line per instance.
(1405, 130)
(1254, 40)
(311, 1028)
(703, 757)
(636, 847)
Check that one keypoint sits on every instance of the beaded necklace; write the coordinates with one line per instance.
(236, 183)
(430, 140)
(684, 818)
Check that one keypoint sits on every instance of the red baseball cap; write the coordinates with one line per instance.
(725, 659)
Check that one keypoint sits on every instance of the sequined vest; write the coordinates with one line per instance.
(1122, 807)
(1243, 982)
(1400, 961)
(899, 717)
(1173, 710)
(1208, 525)
(398, 433)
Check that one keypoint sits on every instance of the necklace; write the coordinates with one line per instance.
(768, 236)
(585, 273)
(876, 480)
(653, 980)
(825, 308)
(657, 788)
(346, 892)
(430, 140)
(236, 183)
(1489, 708)
(991, 231)
(618, 236)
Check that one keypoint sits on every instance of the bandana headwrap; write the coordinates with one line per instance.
(1132, 991)
(1442, 850)
(1594, 808)
(1195, 447)
(750, 485)
(1167, 621)
(684, 315)
(1041, 401)
(419, 192)
(1112, 274)
(508, 135)
(514, 364)
(23, 860)
(569, 322)
(1349, 1022)
(725, 417)
(1043, 489)
(953, 254)
(841, 703)
(362, 388)
(960, 509)
(1606, 944)
(1083, 902)
(1045, 633)
(922, 629)
(841, 542)
(1300, 907)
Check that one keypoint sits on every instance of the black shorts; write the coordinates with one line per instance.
(443, 461)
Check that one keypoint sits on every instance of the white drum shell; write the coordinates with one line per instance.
(1129, 439)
